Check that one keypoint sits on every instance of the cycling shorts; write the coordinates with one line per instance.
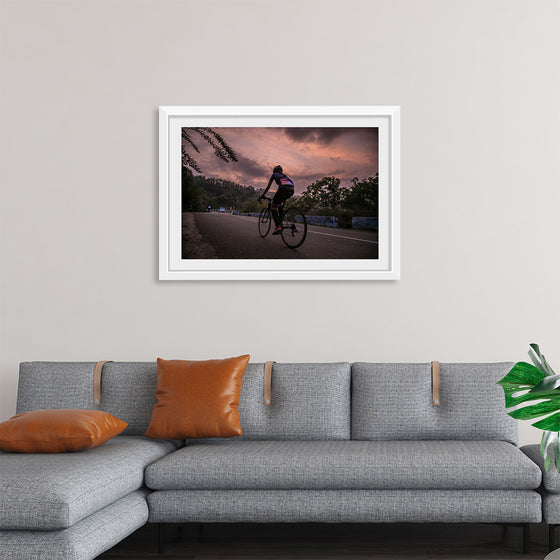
(282, 194)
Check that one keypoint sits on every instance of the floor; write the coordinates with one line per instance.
(330, 542)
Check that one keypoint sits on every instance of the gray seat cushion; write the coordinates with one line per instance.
(54, 491)
(551, 508)
(550, 484)
(85, 540)
(551, 479)
(345, 465)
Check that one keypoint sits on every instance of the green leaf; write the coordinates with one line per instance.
(536, 361)
(541, 362)
(547, 366)
(547, 437)
(549, 442)
(550, 423)
(535, 410)
(526, 383)
(521, 375)
(535, 348)
(556, 451)
(512, 400)
(547, 384)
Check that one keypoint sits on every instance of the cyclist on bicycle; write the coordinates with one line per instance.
(285, 190)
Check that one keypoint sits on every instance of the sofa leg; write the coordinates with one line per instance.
(525, 538)
(551, 544)
(161, 538)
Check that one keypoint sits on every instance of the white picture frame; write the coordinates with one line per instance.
(173, 267)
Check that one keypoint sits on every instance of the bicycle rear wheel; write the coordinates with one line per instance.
(264, 222)
(294, 227)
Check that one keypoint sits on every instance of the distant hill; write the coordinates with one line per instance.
(199, 192)
(228, 194)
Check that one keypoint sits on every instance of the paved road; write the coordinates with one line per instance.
(237, 237)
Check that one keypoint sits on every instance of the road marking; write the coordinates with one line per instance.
(342, 236)
(320, 232)
(246, 219)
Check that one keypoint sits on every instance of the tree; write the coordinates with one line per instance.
(362, 198)
(193, 197)
(327, 197)
(221, 192)
(221, 148)
(323, 195)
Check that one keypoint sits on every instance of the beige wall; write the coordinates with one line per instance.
(479, 88)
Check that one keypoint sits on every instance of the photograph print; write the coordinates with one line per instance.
(280, 192)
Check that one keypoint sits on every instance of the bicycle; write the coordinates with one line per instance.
(294, 224)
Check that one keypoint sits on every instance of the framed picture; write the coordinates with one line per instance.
(274, 193)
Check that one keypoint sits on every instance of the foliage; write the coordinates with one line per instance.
(221, 149)
(251, 205)
(199, 192)
(326, 193)
(526, 383)
(193, 194)
(193, 197)
(344, 218)
(362, 198)
(327, 197)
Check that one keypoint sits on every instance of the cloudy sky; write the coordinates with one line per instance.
(306, 154)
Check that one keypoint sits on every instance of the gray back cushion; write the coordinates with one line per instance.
(127, 389)
(394, 401)
(309, 401)
(44, 385)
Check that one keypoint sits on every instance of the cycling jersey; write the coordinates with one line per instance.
(282, 180)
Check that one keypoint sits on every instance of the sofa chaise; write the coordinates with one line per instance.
(339, 442)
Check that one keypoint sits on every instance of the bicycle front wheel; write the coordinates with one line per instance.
(294, 227)
(264, 222)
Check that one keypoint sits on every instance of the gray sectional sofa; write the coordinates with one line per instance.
(340, 443)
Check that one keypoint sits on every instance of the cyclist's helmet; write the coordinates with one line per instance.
(278, 169)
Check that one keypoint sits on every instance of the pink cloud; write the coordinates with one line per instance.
(306, 154)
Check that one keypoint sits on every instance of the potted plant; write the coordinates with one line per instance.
(526, 383)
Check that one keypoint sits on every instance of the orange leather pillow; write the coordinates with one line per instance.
(197, 399)
(58, 431)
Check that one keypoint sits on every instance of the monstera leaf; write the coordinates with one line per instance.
(526, 383)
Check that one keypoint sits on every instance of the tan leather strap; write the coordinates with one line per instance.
(97, 381)
(268, 383)
(435, 383)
